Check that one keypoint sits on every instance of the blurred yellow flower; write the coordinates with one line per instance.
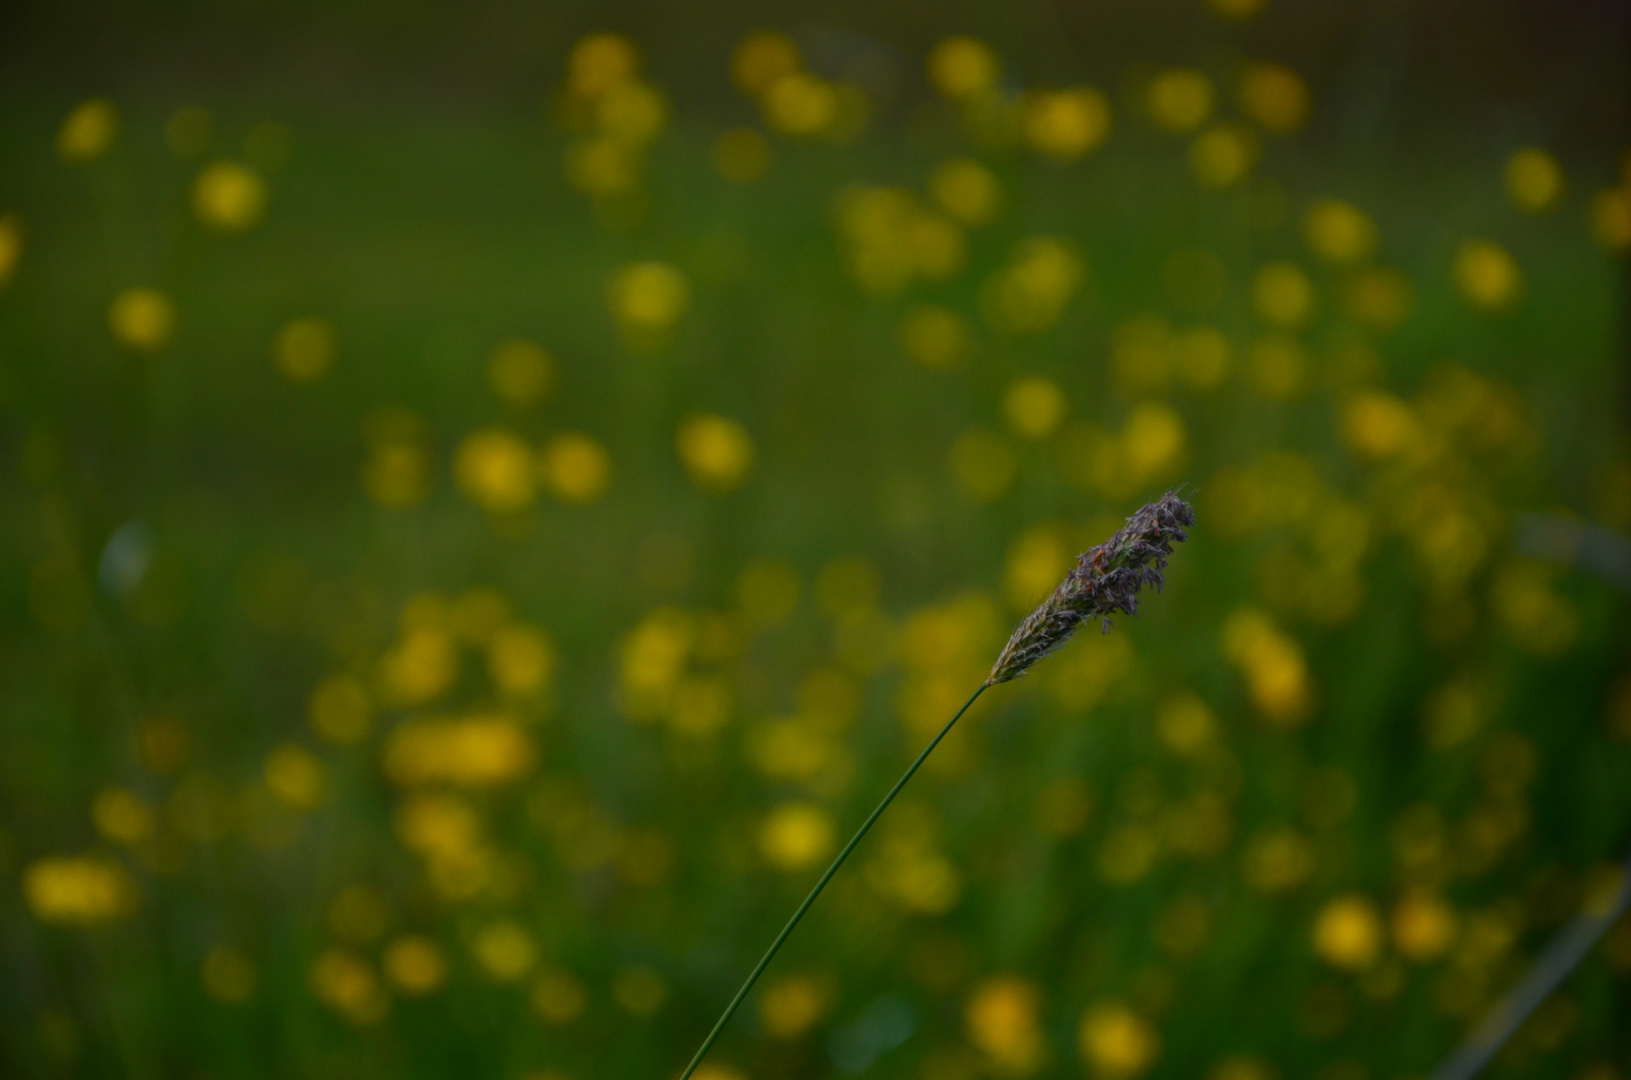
(494, 469)
(1065, 124)
(1276, 674)
(936, 245)
(966, 190)
(121, 816)
(437, 826)
(228, 975)
(717, 452)
(558, 997)
(304, 349)
(983, 464)
(962, 68)
(11, 247)
(1153, 441)
(1424, 926)
(340, 710)
(1611, 218)
(520, 659)
(396, 472)
(640, 990)
(1455, 712)
(741, 155)
(1377, 425)
(520, 372)
(229, 197)
(88, 131)
(889, 238)
(651, 660)
(1037, 561)
(79, 890)
(600, 63)
(1030, 293)
(800, 104)
(345, 983)
(761, 58)
(1274, 97)
(602, 167)
(1179, 100)
(1223, 155)
(934, 337)
(477, 751)
(1184, 723)
(1034, 406)
(142, 319)
(1117, 1043)
(909, 871)
(1339, 232)
(415, 965)
(792, 1004)
(1004, 1023)
(504, 950)
(954, 637)
(1282, 295)
(796, 836)
(1348, 933)
(295, 776)
(648, 298)
(1276, 860)
(1487, 276)
(575, 468)
(1533, 613)
(1534, 180)
(632, 113)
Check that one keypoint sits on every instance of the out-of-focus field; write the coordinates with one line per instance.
(464, 577)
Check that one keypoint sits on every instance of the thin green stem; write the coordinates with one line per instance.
(764, 962)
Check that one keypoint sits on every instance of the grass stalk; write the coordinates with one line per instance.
(775, 946)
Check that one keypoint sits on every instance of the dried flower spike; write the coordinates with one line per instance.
(1105, 580)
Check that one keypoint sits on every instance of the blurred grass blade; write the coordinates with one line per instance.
(1560, 958)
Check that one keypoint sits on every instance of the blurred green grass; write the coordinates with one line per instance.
(1056, 834)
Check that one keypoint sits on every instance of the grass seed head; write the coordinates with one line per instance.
(1105, 580)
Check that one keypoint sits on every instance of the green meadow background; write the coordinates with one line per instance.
(491, 497)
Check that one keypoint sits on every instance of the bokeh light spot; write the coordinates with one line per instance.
(1534, 180)
(717, 452)
(142, 319)
(88, 131)
(304, 349)
(229, 197)
(1179, 100)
